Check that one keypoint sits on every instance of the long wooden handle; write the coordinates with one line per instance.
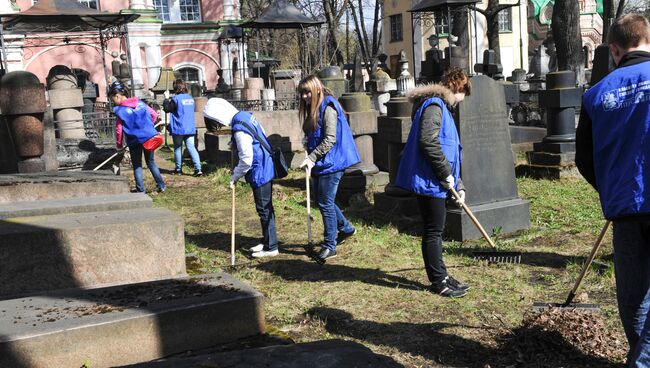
(232, 233)
(474, 219)
(585, 267)
(307, 175)
(110, 158)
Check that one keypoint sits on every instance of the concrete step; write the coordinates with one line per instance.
(127, 324)
(318, 354)
(42, 253)
(110, 202)
(60, 185)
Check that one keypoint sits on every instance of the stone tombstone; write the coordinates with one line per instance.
(487, 169)
(357, 76)
(332, 78)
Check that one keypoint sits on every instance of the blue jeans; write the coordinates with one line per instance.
(189, 145)
(136, 160)
(264, 205)
(632, 266)
(326, 187)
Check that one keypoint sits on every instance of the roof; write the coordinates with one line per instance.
(431, 5)
(62, 16)
(281, 14)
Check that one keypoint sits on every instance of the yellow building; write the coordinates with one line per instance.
(411, 32)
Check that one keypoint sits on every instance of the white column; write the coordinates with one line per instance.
(136, 65)
(226, 63)
(137, 4)
(229, 10)
(153, 54)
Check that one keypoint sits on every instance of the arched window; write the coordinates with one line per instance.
(190, 74)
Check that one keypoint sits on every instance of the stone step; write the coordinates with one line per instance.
(128, 324)
(52, 252)
(60, 185)
(110, 202)
(317, 354)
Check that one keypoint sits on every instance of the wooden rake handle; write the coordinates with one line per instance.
(307, 176)
(110, 158)
(585, 267)
(232, 233)
(474, 219)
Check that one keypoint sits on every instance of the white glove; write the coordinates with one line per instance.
(232, 183)
(448, 182)
(461, 197)
(308, 163)
(166, 94)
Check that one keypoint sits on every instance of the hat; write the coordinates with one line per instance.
(220, 110)
(117, 87)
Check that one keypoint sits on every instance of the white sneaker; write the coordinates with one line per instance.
(256, 248)
(265, 253)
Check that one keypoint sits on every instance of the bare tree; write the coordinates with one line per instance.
(491, 14)
(368, 46)
(565, 25)
(333, 11)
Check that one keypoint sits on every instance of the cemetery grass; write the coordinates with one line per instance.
(375, 291)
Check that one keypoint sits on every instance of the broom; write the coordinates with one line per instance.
(493, 256)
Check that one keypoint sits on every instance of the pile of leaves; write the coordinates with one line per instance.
(564, 338)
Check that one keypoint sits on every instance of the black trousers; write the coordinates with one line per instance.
(434, 213)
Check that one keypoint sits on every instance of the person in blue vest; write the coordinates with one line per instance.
(430, 165)
(330, 150)
(182, 126)
(613, 155)
(135, 121)
(255, 165)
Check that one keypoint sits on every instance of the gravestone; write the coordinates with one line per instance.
(487, 169)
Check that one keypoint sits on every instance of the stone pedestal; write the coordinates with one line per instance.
(363, 123)
(333, 79)
(22, 102)
(554, 156)
(393, 131)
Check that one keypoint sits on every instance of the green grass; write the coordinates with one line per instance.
(375, 291)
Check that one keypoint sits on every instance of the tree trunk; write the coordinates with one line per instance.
(568, 40)
(608, 15)
(491, 14)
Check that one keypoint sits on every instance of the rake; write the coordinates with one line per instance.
(568, 303)
(493, 256)
(309, 248)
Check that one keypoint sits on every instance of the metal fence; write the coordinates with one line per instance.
(266, 105)
(98, 124)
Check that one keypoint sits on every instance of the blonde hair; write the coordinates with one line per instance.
(309, 113)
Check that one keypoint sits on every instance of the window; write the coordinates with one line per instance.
(441, 19)
(189, 75)
(178, 11)
(396, 28)
(190, 11)
(89, 3)
(162, 6)
(505, 20)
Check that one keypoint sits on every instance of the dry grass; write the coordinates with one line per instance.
(375, 291)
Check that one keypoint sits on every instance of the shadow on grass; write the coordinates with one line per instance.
(430, 341)
(221, 241)
(300, 270)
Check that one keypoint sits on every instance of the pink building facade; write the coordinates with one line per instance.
(180, 34)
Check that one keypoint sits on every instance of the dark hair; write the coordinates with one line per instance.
(118, 87)
(629, 31)
(180, 86)
(457, 81)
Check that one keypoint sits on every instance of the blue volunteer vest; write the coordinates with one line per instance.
(182, 120)
(415, 174)
(261, 171)
(138, 125)
(619, 107)
(344, 152)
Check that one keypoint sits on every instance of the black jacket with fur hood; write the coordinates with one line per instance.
(430, 124)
